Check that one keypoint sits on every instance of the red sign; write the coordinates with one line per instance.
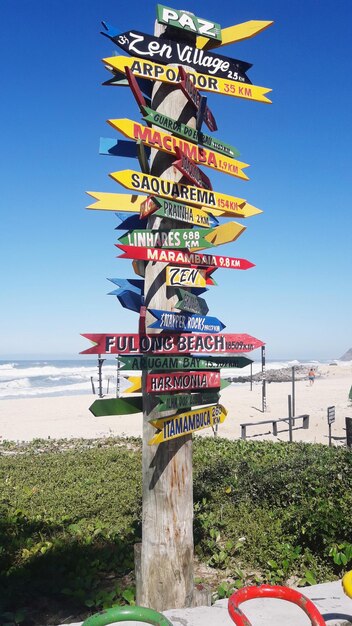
(180, 381)
(132, 81)
(171, 343)
(183, 257)
(190, 170)
(148, 207)
(191, 92)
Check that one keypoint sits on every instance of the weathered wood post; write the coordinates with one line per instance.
(166, 566)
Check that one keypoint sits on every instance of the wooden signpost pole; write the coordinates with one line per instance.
(164, 576)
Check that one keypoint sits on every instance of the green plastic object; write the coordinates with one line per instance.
(127, 614)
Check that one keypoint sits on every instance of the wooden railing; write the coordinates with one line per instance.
(304, 418)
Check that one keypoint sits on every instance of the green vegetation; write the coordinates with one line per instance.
(70, 514)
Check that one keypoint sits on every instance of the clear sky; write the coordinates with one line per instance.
(55, 255)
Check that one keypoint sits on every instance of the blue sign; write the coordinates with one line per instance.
(166, 320)
(130, 222)
(133, 284)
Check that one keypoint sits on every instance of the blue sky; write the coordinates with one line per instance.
(55, 255)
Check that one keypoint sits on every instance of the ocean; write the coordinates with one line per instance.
(39, 378)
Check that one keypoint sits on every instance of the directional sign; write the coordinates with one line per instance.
(184, 193)
(174, 210)
(116, 201)
(180, 257)
(183, 213)
(231, 34)
(185, 21)
(190, 170)
(166, 51)
(186, 322)
(166, 343)
(129, 299)
(182, 381)
(186, 132)
(130, 222)
(185, 400)
(204, 82)
(187, 277)
(121, 79)
(190, 302)
(185, 423)
(155, 138)
(117, 406)
(111, 147)
(133, 284)
(192, 239)
(135, 384)
(161, 363)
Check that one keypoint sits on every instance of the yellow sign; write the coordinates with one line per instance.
(203, 82)
(135, 384)
(116, 201)
(155, 138)
(186, 423)
(177, 276)
(231, 34)
(226, 233)
(152, 185)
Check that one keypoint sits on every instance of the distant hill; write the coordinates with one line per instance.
(347, 356)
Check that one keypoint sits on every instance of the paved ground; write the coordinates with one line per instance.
(333, 604)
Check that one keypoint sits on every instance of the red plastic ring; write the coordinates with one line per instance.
(271, 591)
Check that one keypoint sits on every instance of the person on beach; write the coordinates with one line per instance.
(311, 376)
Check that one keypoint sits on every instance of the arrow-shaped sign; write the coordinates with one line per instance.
(155, 138)
(204, 82)
(128, 299)
(116, 406)
(185, 322)
(182, 257)
(230, 205)
(185, 400)
(191, 239)
(182, 381)
(235, 33)
(133, 284)
(121, 79)
(111, 147)
(178, 212)
(177, 362)
(190, 302)
(188, 277)
(133, 204)
(166, 51)
(186, 132)
(170, 343)
(135, 384)
(186, 423)
(129, 222)
(199, 102)
(116, 201)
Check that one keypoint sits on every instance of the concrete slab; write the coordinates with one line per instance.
(329, 598)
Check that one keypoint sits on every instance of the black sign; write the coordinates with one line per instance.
(349, 432)
(331, 414)
(166, 51)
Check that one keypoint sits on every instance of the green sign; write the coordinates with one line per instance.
(177, 362)
(116, 406)
(184, 213)
(185, 400)
(191, 303)
(176, 238)
(182, 19)
(182, 130)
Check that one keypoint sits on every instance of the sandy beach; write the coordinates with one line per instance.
(69, 417)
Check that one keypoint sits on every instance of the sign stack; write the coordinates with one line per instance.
(171, 230)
